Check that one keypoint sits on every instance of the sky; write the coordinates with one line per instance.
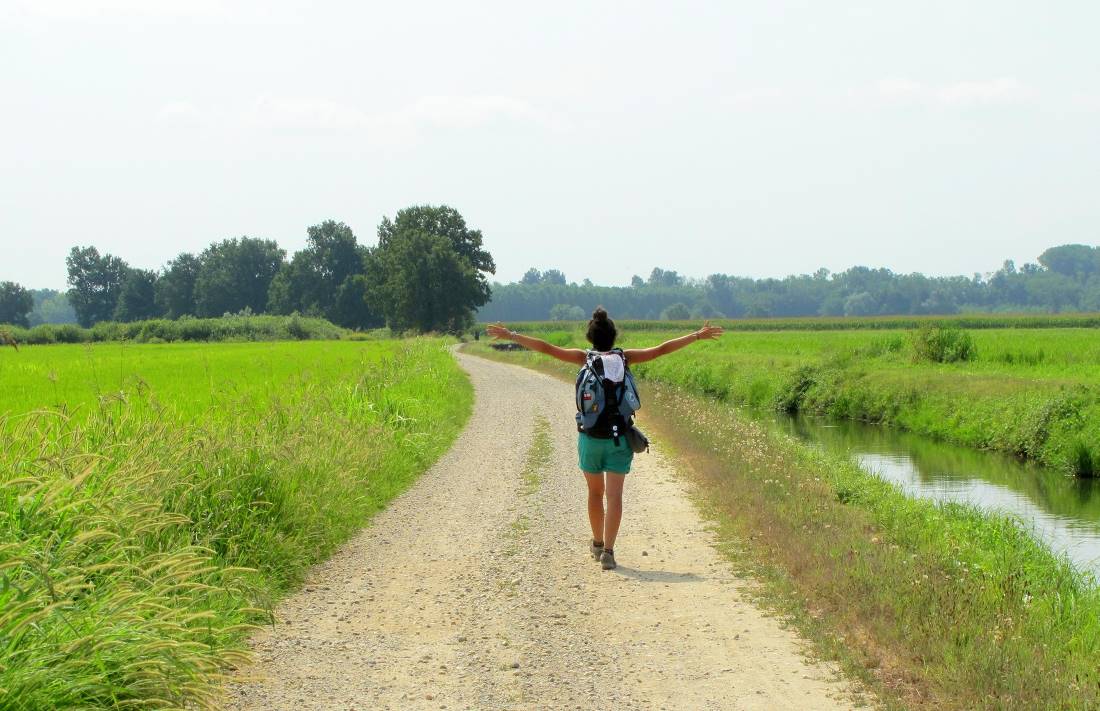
(602, 139)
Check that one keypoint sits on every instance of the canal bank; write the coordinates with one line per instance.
(1060, 510)
(936, 604)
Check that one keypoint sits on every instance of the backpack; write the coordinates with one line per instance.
(603, 402)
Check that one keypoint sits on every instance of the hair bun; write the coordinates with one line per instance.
(599, 314)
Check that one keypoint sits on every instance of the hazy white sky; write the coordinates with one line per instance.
(753, 138)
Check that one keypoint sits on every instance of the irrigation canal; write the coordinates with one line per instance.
(1062, 511)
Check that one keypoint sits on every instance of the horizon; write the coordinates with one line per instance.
(687, 277)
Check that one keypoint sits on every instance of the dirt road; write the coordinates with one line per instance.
(474, 590)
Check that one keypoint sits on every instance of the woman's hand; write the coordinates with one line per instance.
(708, 331)
(498, 331)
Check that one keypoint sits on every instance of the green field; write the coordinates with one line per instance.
(155, 500)
(1032, 392)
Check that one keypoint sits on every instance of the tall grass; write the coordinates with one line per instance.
(140, 541)
(936, 605)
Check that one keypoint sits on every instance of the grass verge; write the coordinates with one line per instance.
(538, 458)
(138, 547)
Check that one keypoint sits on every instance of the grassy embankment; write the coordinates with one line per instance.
(934, 606)
(1031, 392)
(155, 500)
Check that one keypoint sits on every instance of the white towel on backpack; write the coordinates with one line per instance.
(614, 369)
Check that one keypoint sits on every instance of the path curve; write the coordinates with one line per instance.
(474, 590)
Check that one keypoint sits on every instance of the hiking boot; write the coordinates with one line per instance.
(596, 549)
(607, 559)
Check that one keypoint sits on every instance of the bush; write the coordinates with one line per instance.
(227, 328)
(942, 344)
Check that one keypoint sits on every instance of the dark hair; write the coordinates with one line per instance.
(601, 330)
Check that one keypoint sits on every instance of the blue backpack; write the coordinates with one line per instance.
(603, 407)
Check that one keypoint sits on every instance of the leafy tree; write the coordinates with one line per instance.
(175, 295)
(861, 304)
(1052, 291)
(429, 280)
(676, 312)
(235, 274)
(637, 282)
(15, 303)
(1077, 261)
(137, 296)
(553, 276)
(660, 277)
(51, 306)
(95, 281)
(446, 222)
(566, 312)
(533, 276)
(311, 282)
(354, 306)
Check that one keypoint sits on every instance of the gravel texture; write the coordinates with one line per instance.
(475, 590)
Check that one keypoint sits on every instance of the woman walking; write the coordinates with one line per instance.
(605, 456)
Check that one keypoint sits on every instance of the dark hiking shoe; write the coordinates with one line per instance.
(607, 559)
(596, 549)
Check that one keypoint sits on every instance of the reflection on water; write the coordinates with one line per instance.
(1063, 511)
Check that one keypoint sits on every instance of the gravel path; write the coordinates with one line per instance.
(474, 590)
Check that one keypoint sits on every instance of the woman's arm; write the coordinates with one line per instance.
(641, 355)
(569, 355)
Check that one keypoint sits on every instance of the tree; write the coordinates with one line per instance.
(51, 306)
(176, 286)
(1077, 261)
(95, 282)
(429, 270)
(861, 304)
(428, 286)
(446, 222)
(660, 277)
(15, 303)
(553, 276)
(311, 282)
(533, 276)
(235, 274)
(676, 312)
(137, 296)
(354, 307)
(566, 312)
(636, 282)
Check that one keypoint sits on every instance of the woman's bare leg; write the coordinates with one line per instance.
(614, 493)
(595, 505)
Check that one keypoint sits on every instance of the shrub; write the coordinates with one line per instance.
(793, 392)
(942, 344)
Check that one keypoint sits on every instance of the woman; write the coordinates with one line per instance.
(604, 459)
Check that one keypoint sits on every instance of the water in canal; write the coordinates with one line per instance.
(1063, 511)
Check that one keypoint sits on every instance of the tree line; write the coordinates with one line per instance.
(1066, 278)
(427, 272)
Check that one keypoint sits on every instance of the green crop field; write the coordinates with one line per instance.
(156, 499)
(1032, 392)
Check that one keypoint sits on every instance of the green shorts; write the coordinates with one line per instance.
(601, 455)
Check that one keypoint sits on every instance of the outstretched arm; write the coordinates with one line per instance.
(569, 355)
(641, 355)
